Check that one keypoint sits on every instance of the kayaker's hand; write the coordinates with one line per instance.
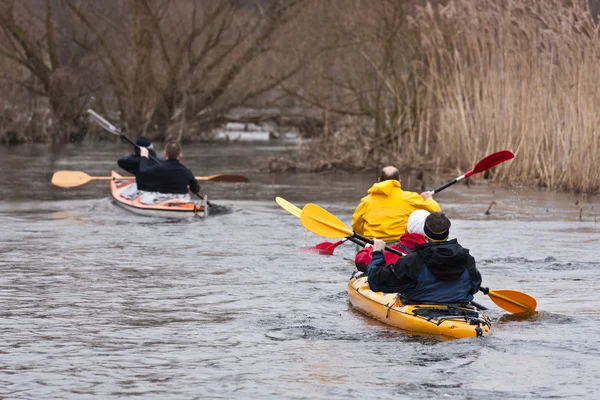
(144, 152)
(378, 244)
(427, 195)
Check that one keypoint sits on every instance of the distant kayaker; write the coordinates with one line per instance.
(131, 164)
(174, 179)
(413, 237)
(440, 271)
(384, 212)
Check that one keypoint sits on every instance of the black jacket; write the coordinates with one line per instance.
(172, 176)
(131, 164)
(432, 267)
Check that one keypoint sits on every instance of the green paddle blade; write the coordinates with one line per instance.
(321, 222)
(289, 207)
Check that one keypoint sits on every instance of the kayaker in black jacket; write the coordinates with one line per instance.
(440, 271)
(131, 164)
(172, 176)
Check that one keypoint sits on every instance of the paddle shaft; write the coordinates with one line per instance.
(132, 178)
(484, 164)
(479, 306)
(361, 240)
(452, 182)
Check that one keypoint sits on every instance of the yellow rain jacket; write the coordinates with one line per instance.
(384, 212)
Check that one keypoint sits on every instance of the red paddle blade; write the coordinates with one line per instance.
(324, 248)
(491, 161)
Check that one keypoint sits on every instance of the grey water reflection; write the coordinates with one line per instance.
(99, 303)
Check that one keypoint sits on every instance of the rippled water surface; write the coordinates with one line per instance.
(100, 303)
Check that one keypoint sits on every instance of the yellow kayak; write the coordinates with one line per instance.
(448, 321)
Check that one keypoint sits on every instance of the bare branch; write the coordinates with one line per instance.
(51, 37)
(26, 86)
(119, 76)
(161, 39)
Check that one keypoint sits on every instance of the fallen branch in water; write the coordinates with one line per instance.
(487, 212)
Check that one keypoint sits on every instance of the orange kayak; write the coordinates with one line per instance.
(170, 208)
(447, 321)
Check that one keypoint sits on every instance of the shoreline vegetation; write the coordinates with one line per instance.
(421, 85)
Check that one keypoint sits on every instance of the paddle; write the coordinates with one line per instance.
(323, 223)
(100, 120)
(483, 165)
(78, 178)
(287, 206)
(511, 300)
(324, 248)
(113, 129)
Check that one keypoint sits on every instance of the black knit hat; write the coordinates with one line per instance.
(144, 142)
(437, 227)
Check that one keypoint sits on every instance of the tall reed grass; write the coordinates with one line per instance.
(482, 76)
(520, 75)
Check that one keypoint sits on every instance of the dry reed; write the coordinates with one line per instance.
(520, 75)
(485, 76)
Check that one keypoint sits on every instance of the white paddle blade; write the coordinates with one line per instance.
(103, 122)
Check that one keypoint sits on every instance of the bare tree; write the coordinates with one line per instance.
(187, 64)
(36, 48)
(370, 69)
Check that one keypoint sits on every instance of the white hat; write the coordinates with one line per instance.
(416, 221)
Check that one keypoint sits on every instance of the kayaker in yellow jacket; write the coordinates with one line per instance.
(384, 212)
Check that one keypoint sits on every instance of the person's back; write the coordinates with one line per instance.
(172, 176)
(384, 212)
(131, 164)
(440, 271)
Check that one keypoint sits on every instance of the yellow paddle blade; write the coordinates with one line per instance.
(513, 301)
(289, 207)
(321, 222)
(70, 178)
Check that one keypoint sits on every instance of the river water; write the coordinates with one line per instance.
(100, 303)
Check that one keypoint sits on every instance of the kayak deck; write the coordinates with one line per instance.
(449, 321)
(171, 208)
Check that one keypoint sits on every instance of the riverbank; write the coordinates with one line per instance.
(353, 146)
